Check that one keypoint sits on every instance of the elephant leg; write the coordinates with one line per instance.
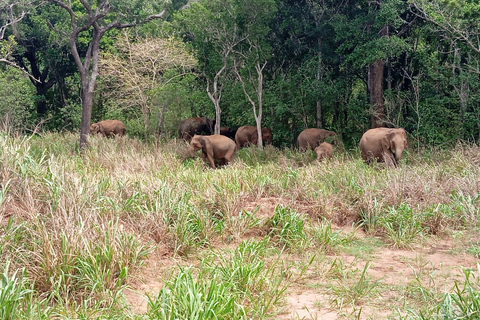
(210, 161)
(389, 159)
(369, 158)
(229, 156)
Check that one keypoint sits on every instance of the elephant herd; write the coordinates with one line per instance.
(378, 144)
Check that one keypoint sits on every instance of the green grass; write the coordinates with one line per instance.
(76, 229)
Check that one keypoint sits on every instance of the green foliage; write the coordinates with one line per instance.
(287, 229)
(402, 225)
(14, 293)
(185, 298)
(17, 103)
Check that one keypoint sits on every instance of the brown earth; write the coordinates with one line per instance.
(435, 264)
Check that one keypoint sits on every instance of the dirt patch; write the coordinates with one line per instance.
(393, 270)
(390, 268)
(149, 282)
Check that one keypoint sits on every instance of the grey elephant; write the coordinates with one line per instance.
(108, 128)
(192, 126)
(248, 135)
(213, 147)
(383, 145)
(228, 132)
(324, 151)
(312, 137)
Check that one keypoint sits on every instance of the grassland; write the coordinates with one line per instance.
(127, 230)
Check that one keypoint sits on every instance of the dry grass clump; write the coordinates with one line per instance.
(82, 223)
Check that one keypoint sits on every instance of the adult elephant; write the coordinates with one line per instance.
(312, 137)
(108, 128)
(383, 145)
(192, 126)
(247, 135)
(228, 132)
(213, 147)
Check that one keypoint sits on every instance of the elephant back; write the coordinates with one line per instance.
(192, 126)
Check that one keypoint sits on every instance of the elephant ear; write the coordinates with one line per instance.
(206, 145)
(387, 141)
(94, 128)
(404, 135)
(202, 141)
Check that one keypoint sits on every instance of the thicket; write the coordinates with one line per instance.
(77, 230)
(318, 66)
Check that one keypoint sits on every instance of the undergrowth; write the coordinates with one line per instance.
(75, 226)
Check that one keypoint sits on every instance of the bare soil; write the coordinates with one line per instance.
(434, 264)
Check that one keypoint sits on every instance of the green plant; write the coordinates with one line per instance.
(370, 219)
(467, 206)
(323, 236)
(352, 292)
(185, 298)
(287, 228)
(464, 301)
(14, 293)
(402, 225)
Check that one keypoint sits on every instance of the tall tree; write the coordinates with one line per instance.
(212, 27)
(136, 74)
(322, 12)
(49, 61)
(11, 12)
(96, 18)
(252, 54)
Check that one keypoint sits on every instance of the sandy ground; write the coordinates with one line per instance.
(437, 263)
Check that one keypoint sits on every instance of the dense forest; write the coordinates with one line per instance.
(342, 65)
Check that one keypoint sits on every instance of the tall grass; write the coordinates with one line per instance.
(75, 226)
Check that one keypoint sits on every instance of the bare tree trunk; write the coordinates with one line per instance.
(319, 77)
(88, 76)
(259, 92)
(375, 88)
(215, 97)
(462, 90)
(216, 94)
(87, 102)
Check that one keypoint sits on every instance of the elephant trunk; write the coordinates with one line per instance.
(191, 151)
(398, 153)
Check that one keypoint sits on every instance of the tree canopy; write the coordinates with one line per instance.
(289, 65)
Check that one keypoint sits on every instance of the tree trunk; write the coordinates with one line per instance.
(319, 77)
(87, 103)
(375, 88)
(215, 97)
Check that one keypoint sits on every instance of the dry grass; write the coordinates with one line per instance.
(82, 223)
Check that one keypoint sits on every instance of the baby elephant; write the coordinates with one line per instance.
(108, 128)
(324, 150)
(215, 146)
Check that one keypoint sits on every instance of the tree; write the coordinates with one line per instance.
(139, 71)
(322, 12)
(48, 61)
(458, 22)
(252, 54)
(96, 18)
(459, 18)
(212, 27)
(11, 12)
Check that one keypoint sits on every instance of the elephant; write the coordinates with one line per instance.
(312, 137)
(192, 126)
(383, 145)
(215, 146)
(324, 151)
(108, 128)
(247, 135)
(228, 132)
